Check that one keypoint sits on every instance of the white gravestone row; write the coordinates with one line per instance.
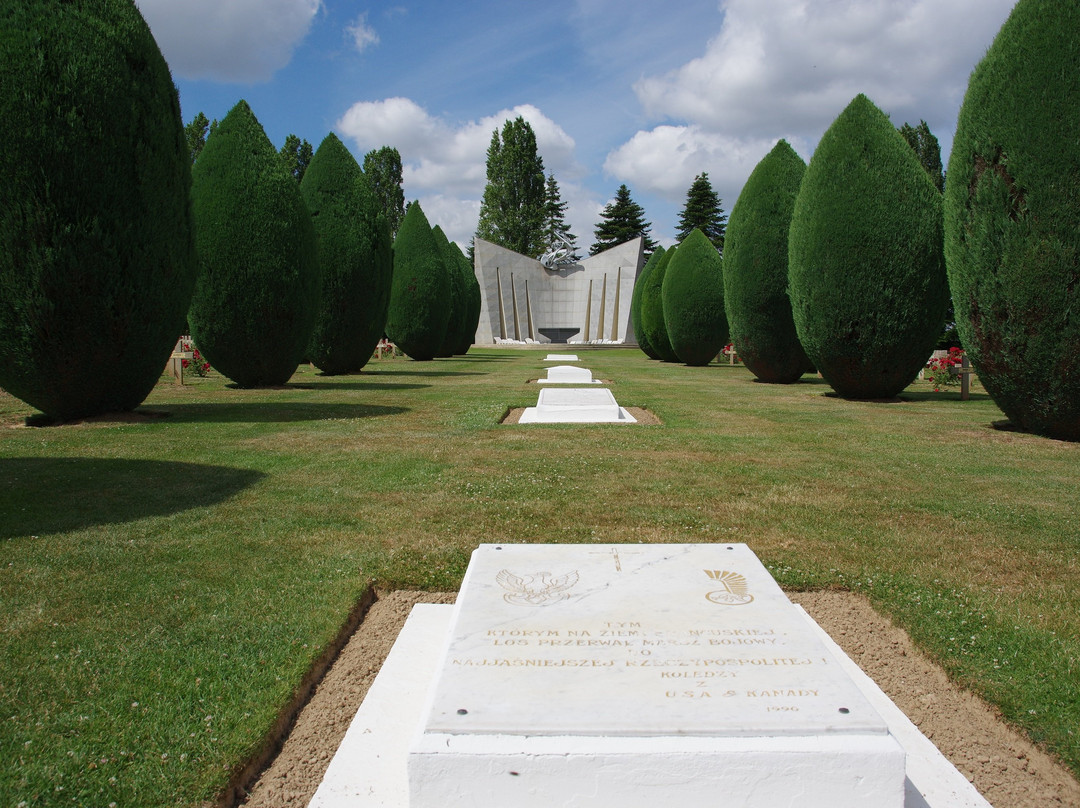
(574, 405)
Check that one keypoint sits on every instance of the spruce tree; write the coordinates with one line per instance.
(354, 259)
(258, 289)
(1012, 218)
(383, 170)
(555, 219)
(622, 220)
(865, 261)
(512, 211)
(756, 269)
(459, 296)
(703, 212)
(635, 303)
(652, 309)
(96, 250)
(420, 289)
(693, 298)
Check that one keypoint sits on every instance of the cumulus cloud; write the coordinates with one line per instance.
(361, 34)
(231, 40)
(444, 155)
(795, 64)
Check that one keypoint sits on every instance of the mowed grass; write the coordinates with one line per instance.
(167, 581)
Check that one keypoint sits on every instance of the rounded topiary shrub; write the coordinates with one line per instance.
(354, 259)
(472, 299)
(258, 289)
(652, 309)
(97, 260)
(693, 298)
(865, 261)
(756, 269)
(1012, 218)
(457, 323)
(635, 302)
(420, 291)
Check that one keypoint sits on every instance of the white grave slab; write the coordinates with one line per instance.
(561, 357)
(637, 675)
(568, 374)
(576, 405)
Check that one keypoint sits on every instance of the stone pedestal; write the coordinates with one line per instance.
(637, 675)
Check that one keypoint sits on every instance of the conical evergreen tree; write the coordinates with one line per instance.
(756, 269)
(512, 210)
(635, 303)
(693, 300)
(652, 309)
(96, 248)
(459, 296)
(258, 290)
(703, 212)
(865, 261)
(354, 258)
(473, 300)
(1012, 218)
(555, 227)
(622, 220)
(420, 290)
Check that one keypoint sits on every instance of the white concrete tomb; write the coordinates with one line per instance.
(568, 374)
(576, 405)
(561, 357)
(642, 675)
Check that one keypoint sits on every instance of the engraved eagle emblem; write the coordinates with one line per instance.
(538, 589)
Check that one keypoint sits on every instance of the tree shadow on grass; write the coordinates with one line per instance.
(41, 495)
(360, 383)
(424, 373)
(275, 412)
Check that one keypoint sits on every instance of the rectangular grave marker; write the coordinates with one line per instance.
(561, 405)
(568, 374)
(615, 670)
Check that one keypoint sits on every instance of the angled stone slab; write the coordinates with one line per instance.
(637, 675)
(568, 374)
(576, 405)
(561, 357)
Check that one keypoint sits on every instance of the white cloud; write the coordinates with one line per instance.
(795, 64)
(228, 40)
(362, 34)
(445, 163)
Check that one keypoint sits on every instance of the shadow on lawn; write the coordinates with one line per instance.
(274, 412)
(40, 495)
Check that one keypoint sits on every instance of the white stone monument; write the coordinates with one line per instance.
(643, 675)
(561, 357)
(568, 374)
(576, 405)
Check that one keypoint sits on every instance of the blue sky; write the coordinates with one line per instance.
(618, 91)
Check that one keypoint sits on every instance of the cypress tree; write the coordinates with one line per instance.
(635, 303)
(258, 289)
(472, 298)
(420, 289)
(756, 269)
(865, 261)
(703, 212)
(382, 167)
(693, 300)
(354, 260)
(1012, 218)
(652, 309)
(96, 246)
(459, 296)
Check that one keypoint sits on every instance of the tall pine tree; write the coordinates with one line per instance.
(512, 211)
(555, 218)
(703, 212)
(382, 167)
(622, 220)
(926, 146)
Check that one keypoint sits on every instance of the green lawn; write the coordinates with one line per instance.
(165, 582)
